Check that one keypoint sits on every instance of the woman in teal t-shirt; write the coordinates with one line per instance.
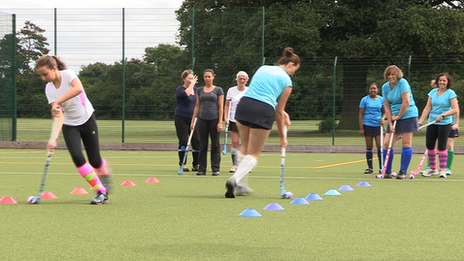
(441, 104)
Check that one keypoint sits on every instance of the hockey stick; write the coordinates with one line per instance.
(224, 151)
(187, 148)
(283, 192)
(387, 156)
(47, 163)
(421, 163)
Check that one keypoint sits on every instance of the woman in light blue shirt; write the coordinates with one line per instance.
(400, 107)
(441, 104)
(371, 110)
(265, 100)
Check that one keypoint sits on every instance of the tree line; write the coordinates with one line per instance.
(344, 45)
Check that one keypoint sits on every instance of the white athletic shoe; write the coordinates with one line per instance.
(429, 173)
(233, 169)
(425, 170)
(443, 173)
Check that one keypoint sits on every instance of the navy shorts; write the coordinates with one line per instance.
(406, 125)
(255, 114)
(454, 133)
(371, 131)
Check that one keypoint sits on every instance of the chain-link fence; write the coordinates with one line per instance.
(130, 61)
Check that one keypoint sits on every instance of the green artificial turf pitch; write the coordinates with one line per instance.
(188, 218)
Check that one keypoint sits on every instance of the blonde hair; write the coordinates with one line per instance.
(185, 74)
(393, 68)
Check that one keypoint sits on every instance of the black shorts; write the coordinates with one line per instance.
(371, 131)
(255, 114)
(453, 133)
(233, 126)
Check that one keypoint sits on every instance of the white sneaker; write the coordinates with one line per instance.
(443, 173)
(233, 169)
(425, 170)
(429, 173)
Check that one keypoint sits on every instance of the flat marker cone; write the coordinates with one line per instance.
(250, 212)
(332, 192)
(313, 196)
(48, 195)
(152, 180)
(128, 183)
(363, 184)
(8, 200)
(274, 206)
(299, 201)
(79, 191)
(346, 188)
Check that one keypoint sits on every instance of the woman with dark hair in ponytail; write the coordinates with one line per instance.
(76, 119)
(264, 101)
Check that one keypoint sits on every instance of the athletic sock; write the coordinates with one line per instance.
(449, 163)
(379, 155)
(103, 169)
(443, 158)
(239, 157)
(247, 164)
(233, 154)
(406, 155)
(390, 160)
(369, 158)
(433, 158)
(88, 173)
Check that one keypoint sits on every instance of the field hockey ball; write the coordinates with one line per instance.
(288, 195)
(31, 200)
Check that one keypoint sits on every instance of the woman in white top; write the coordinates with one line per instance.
(234, 94)
(76, 119)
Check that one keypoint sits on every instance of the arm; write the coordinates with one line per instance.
(404, 105)
(360, 121)
(77, 88)
(281, 116)
(456, 120)
(226, 112)
(454, 110)
(426, 111)
(221, 112)
(195, 112)
(51, 145)
(189, 90)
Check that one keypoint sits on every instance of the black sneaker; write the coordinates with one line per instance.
(200, 173)
(186, 170)
(401, 175)
(368, 171)
(230, 186)
(100, 199)
(215, 173)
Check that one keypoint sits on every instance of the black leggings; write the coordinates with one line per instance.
(208, 128)
(88, 132)
(183, 131)
(434, 132)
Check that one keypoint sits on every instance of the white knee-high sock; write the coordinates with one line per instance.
(247, 164)
(239, 157)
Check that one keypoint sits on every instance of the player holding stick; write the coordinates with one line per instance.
(266, 97)
(76, 119)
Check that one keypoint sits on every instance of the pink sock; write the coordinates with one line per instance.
(88, 173)
(443, 158)
(433, 158)
(103, 170)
